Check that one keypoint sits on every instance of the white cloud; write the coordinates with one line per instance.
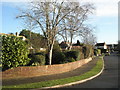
(15, 0)
(37, 0)
(103, 7)
(107, 10)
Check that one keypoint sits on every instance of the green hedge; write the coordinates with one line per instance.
(69, 60)
(88, 51)
(14, 52)
(65, 57)
(72, 54)
(37, 59)
(97, 52)
(58, 58)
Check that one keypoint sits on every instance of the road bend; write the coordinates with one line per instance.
(109, 77)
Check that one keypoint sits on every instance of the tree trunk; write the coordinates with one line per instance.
(71, 41)
(50, 55)
(51, 52)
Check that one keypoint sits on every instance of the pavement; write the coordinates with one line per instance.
(76, 72)
(108, 79)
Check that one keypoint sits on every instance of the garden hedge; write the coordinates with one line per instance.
(14, 52)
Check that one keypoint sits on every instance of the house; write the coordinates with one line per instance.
(110, 46)
(101, 46)
(77, 45)
(22, 38)
(115, 46)
(17, 35)
(64, 45)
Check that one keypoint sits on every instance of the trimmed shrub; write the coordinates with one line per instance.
(69, 60)
(97, 52)
(36, 59)
(88, 51)
(58, 58)
(14, 52)
(56, 48)
(103, 50)
(73, 54)
(80, 50)
(81, 55)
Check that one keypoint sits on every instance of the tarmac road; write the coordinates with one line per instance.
(109, 77)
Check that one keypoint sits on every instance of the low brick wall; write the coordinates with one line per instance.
(21, 72)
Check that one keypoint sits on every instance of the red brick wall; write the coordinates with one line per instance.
(42, 70)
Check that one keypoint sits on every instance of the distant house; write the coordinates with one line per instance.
(110, 46)
(4, 34)
(101, 46)
(21, 37)
(115, 46)
(64, 45)
(76, 47)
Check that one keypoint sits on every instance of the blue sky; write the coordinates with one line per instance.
(105, 19)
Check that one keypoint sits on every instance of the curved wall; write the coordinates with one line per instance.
(21, 72)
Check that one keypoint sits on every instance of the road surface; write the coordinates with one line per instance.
(109, 77)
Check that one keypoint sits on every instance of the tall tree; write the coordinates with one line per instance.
(88, 36)
(48, 17)
(73, 24)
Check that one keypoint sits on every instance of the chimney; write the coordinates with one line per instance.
(17, 34)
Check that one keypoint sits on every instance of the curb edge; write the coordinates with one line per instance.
(77, 82)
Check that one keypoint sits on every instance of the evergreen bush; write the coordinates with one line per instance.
(70, 60)
(72, 54)
(58, 58)
(37, 59)
(14, 52)
(88, 51)
(97, 52)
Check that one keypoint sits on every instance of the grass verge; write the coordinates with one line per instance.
(86, 75)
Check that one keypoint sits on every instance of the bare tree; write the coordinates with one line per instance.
(75, 20)
(88, 36)
(48, 16)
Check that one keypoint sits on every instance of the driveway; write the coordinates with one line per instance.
(109, 77)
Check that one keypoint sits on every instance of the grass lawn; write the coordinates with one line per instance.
(86, 75)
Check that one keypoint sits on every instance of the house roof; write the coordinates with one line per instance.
(63, 42)
(115, 44)
(110, 45)
(100, 44)
(13, 35)
(3, 34)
